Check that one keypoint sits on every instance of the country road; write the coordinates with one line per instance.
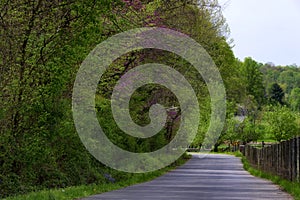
(207, 177)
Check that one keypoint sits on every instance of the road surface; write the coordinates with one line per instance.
(207, 177)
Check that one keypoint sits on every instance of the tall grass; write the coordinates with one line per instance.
(88, 190)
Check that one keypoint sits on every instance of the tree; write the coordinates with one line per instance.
(231, 130)
(201, 20)
(282, 123)
(42, 44)
(253, 80)
(248, 131)
(294, 99)
(288, 77)
(276, 94)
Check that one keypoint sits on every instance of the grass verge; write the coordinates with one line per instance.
(290, 187)
(78, 192)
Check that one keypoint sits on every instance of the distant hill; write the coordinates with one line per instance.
(287, 77)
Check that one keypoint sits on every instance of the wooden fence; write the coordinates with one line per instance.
(279, 159)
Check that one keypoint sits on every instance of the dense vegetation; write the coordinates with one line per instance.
(42, 46)
(269, 109)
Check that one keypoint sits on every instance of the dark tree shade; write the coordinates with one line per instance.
(276, 94)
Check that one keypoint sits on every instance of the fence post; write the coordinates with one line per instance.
(278, 158)
(274, 158)
(290, 169)
(282, 159)
(297, 158)
(287, 160)
(292, 160)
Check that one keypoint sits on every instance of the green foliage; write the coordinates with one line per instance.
(294, 99)
(43, 44)
(249, 131)
(231, 130)
(253, 80)
(276, 94)
(287, 77)
(92, 189)
(281, 123)
(121, 139)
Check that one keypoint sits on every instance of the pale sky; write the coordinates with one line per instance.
(266, 30)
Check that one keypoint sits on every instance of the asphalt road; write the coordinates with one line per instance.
(210, 177)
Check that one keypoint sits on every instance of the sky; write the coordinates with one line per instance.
(266, 30)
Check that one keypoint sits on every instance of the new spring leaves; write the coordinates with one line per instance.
(95, 65)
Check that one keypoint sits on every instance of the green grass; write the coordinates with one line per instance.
(292, 188)
(88, 190)
(269, 140)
